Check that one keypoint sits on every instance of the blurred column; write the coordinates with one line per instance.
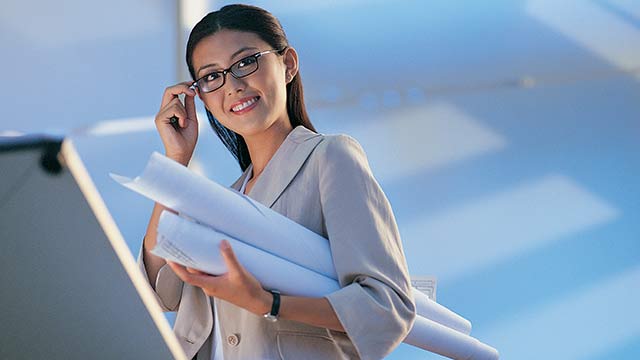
(188, 12)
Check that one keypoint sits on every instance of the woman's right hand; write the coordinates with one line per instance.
(178, 143)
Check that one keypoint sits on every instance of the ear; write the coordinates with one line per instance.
(290, 59)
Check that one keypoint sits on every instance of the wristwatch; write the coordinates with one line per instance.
(275, 307)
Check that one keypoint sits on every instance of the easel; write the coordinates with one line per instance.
(70, 287)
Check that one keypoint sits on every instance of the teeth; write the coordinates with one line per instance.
(244, 104)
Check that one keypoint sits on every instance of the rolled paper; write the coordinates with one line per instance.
(431, 336)
(192, 245)
(176, 187)
(440, 314)
(176, 234)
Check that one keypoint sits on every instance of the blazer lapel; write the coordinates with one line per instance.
(283, 166)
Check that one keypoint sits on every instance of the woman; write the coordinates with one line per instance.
(247, 76)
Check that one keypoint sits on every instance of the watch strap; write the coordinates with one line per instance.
(275, 306)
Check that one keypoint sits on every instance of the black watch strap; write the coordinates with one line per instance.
(275, 306)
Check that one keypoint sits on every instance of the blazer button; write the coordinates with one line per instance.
(233, 340)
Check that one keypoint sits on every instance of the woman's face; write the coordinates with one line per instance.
(264, 91)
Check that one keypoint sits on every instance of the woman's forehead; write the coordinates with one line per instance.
(219, 49)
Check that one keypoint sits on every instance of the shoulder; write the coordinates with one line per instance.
(337, 147)
(341, 156)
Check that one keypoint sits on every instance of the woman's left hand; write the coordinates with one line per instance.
(237, 286)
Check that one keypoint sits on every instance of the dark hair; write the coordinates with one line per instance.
(262, 23)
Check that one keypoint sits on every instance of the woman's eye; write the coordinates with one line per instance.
(246, 61)
(212, 77)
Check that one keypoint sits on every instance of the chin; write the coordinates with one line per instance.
(250, 128)
(250, 124)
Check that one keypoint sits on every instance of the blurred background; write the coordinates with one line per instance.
(505, 134)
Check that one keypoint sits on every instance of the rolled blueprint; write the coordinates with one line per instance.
(431, 310)
(196, 245)
(207, 202)
(429, 335)
(176, 187)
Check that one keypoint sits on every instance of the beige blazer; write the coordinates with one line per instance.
(324, 183)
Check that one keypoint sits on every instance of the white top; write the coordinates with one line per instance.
(216, 354)
(246, 180)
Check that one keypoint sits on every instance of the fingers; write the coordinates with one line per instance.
(190, 105)
(229, 257)
(173, 108)
(172, 92)
(196, 271)
(237, 286)
(188, 277)
(172, 105)
(179, 110)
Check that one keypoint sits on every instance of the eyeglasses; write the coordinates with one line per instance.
(241, 68)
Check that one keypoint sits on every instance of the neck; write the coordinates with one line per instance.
(263, 145)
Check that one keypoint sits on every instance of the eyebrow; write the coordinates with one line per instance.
(241, 50)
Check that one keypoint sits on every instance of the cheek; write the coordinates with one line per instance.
(213, 103)
(277, 94)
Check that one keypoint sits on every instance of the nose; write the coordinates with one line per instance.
(234, 85)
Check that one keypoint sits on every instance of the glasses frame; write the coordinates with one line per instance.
(228, 70)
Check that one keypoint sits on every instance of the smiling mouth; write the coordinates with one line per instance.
(245, 106)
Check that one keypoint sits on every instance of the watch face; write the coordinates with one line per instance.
(270, 317)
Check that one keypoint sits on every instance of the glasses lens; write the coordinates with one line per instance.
(245, 66)
(211, 82)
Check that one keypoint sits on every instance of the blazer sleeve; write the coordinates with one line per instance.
(374, 304)
(167, 287)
